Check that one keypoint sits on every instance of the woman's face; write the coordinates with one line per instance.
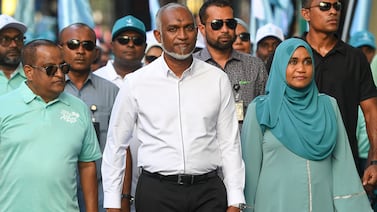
(299, 71)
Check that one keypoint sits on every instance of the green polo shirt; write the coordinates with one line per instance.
(17, 77)
(40, 146)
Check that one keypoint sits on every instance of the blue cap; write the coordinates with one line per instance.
(363, 38)
(128, 22)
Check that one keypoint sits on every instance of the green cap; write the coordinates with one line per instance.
(128, 22)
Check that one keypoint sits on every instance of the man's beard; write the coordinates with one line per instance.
(219, 45)
(5, 61)
(176, 55)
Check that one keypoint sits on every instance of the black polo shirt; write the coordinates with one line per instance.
(345, 74)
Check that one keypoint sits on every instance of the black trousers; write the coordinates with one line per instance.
(153, 194)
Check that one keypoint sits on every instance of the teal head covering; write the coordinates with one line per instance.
(301, 119)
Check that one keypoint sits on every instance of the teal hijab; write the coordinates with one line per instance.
(301, 119)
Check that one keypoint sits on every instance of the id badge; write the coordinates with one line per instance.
(239, 110)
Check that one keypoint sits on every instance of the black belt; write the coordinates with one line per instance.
(182, 179)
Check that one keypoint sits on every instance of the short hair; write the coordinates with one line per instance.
(218, 3)
(169, 6)
(28, 54)
(77, 25)
(305, 3)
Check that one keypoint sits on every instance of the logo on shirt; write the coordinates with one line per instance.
(70, 117)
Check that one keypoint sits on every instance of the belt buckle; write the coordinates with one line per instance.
(180, 179)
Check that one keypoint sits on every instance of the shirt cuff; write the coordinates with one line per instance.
(235, 197)
(111, 200)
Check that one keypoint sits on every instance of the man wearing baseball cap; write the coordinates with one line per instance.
(268, 37)
(128, 46)
(11, 42)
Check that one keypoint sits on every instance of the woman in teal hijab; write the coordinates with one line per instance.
(294, 144)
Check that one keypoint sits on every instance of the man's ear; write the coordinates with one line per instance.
(157, 35)
(28, 72)
(305, 13)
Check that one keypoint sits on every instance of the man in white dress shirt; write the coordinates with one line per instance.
(185, 119)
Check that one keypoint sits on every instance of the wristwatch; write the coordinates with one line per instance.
(129, 197)
(241, 206)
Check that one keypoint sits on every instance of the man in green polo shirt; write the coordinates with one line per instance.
(11, 42)
(45, 134)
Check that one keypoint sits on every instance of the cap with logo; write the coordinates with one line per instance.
(363, 38)
(128, 22)
(269, 30)
(7, 21)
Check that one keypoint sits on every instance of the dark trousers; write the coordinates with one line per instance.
(153, 194)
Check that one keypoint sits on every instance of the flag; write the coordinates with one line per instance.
(74, 11)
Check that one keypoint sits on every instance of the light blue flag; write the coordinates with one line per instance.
(154, 5)
(361, 16)
(25, 12)
(73, 11)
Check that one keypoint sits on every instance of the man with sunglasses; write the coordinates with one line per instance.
(183, 112)
(46, 135)
(11, 42)
(78, 43)
(128, 46)
(344, 73)
(247, 73)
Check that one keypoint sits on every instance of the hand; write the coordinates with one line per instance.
(370, 178)
(233, 209)
(125, 205)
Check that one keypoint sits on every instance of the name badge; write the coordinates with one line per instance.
(240, 110)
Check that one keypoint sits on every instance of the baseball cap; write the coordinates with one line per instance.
(7, 21)
(128, 22)
(363, 38)
(269, 30)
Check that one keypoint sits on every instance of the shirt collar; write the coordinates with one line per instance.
(168, 72)
(88, 81)
(28, 95)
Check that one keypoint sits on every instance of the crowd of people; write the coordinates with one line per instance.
(274, 124)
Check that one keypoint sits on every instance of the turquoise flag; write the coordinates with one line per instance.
(73, 11)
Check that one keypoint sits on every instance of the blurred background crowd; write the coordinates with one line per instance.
(45, 18)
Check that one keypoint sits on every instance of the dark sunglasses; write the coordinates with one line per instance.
(52, 69)
(326, 6)
(124, 40)
(244, 36)
(150, 58)
(75, 44)
(218, 23)
(6, 41)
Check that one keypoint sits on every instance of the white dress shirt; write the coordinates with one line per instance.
(108, 72)
(185, 125)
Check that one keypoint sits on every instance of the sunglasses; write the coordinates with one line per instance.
(75, 44)
(6, 41)
(150, 58)
(326, 6)
(218, 23)
(52, 69)
(244, 36)
(124, 40)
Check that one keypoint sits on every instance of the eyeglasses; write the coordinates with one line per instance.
(150, 58)
(124, 40)
(52, 69)
(75, 44)
(244, 36)
(6, 41)
(326, 6)
(218, 23)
